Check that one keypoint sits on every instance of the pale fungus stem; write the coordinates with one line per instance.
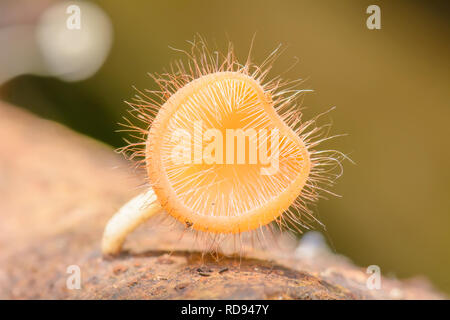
(127, 219)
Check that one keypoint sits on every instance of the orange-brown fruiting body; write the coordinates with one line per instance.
(224, 198)
(224, 94)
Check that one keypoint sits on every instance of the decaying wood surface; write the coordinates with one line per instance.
(58, 189)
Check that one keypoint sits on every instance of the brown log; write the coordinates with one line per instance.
(58, 189)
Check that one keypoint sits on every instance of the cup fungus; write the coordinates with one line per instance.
(225, 150)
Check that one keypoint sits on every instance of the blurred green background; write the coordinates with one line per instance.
(390, 86)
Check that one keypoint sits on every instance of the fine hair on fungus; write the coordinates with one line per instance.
(226, 150)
